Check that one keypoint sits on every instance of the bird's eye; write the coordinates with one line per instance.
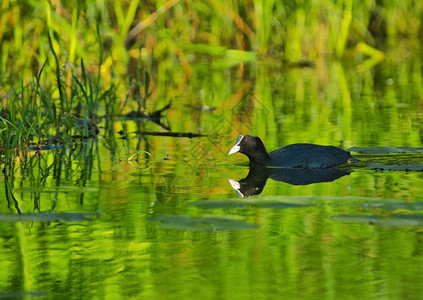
(244, 141)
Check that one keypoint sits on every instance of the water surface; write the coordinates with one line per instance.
(141, 215)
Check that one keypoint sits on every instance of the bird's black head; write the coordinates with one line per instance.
(251, 146)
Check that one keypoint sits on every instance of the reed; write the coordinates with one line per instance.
(61, 65)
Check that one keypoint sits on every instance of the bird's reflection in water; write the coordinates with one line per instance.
(256, 179)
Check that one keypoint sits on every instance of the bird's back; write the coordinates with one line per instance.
(309, 156)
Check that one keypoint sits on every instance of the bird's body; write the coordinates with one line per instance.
(294, 156)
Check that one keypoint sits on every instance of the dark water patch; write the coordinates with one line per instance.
(48, 217)
(205, 222)
(390, 158)
(230, 203)
(281, 202)
(392, 221)
(395, 167)
(63, 189)
(393, 205)
(22, 294)
(385, 150)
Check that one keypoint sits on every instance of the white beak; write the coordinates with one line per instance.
(234, 149)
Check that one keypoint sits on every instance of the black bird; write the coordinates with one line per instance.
(293, 156)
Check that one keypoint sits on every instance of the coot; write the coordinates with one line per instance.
(294, 156)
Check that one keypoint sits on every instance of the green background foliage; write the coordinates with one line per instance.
(61, 61)
(344, 73)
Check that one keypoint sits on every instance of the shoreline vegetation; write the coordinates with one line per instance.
(65, 68)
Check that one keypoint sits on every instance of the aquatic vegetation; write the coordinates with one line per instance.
(115, 58)
(129, 108)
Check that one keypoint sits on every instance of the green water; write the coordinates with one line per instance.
(127, 225)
